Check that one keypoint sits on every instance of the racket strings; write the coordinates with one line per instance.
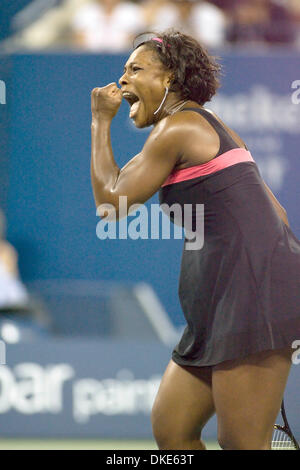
(282, 441)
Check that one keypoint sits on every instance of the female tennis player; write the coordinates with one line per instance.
(240, 293)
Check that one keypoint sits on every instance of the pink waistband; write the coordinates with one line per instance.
(225, 160)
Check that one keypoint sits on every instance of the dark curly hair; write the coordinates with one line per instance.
(195, 72)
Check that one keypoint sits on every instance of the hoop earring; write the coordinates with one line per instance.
(163, 100)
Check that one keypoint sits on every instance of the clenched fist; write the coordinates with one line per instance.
(106, 101)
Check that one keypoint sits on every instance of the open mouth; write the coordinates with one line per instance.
(133, 101)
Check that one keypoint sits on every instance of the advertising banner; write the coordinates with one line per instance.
(76, 388)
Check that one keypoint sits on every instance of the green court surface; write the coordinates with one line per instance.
(89, 444)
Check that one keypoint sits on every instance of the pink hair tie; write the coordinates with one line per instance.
(160, 41)
(147, 37)
(157, 39)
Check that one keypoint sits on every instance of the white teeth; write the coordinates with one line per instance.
(126, 93)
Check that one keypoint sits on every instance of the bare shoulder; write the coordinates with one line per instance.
(189, 135)
(168, 134)
(179, 127)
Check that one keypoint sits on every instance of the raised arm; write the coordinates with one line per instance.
(142, 176)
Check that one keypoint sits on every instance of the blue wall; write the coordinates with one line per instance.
(5, 77)
(51, 213)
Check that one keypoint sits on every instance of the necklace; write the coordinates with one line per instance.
(178, 108)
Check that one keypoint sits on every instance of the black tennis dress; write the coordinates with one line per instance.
(240, 292)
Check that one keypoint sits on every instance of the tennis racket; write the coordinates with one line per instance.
(283, 438)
